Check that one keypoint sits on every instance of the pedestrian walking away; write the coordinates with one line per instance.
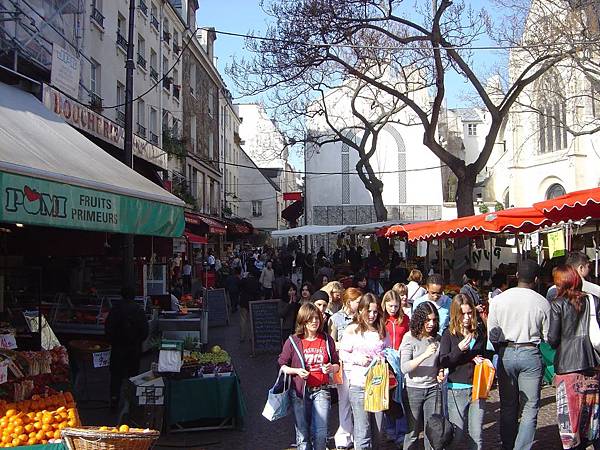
(518, 321)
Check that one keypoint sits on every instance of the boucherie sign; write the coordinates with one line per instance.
(83, 118)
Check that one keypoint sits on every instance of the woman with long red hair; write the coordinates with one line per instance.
(576, 362)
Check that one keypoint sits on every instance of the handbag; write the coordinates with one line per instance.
(377, 387)
(594, 327)
(439, 430)
(483, 378)
(278, 401)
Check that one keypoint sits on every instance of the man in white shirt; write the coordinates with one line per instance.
(518, 321)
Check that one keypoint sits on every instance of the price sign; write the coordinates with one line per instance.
(8, 341)
(101, 359)
(3, 374)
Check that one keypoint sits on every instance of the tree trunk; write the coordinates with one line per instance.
(464, 207)
(380, 210)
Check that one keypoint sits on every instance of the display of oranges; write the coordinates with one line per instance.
(36, 421)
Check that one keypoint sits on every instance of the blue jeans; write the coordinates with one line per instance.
(520, 373)
(419, 406)
(366, 424)
(465, 413)
(311, 413)
(395, 429)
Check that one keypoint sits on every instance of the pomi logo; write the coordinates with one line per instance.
(35, 203)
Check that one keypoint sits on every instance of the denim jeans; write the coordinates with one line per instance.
(343, 435)
(366, 424)
(311, 413)
(395, 429)
(419, 406)
(463, 413)
(520, 374)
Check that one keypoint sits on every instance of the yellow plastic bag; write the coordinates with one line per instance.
(483, 378)
(377, 388)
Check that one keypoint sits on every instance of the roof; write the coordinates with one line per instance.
(468, 114)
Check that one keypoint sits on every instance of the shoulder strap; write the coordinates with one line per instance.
(327, 345)
(415, 291)
(297, 352)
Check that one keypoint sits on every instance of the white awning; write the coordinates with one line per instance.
(309, 230)
(52, 175)
(36, 142)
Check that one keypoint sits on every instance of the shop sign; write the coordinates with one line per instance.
(42, 202)
(83, 118)
(179, 245)
(101, 359)
(480, 258)
(65, 71)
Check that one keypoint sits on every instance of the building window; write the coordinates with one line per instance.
(256, 208)
(141, 118)
(472, 129)
(154, 17)
(95, 78)
(120, 114)
(152, 125)
(553, 132)
(556, 190)
(141, 52)
(96, 14)
(165, 120)
(211, 101)
(153, 64)
(193, 138)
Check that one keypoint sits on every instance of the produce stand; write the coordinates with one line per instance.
(193, 324)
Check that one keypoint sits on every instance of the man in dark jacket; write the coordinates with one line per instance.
(126, 328)
(232, 286)
(249, 292)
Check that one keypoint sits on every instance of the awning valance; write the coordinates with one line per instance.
(575, 205)
(52, 175)
(214, 226)
(194, 238)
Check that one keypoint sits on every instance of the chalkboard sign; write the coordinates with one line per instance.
(216, 302)
(265, 326)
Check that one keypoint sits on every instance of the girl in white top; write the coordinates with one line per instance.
(362, 342)
(415, 290)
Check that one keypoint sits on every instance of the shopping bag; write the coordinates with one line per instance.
(278, 400)
(338, 377)
(377, 387)
(438, 429)
(483, 378)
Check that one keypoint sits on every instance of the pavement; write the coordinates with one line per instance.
(257, 375)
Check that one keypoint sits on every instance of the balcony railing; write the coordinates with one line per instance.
(167, 83)
(97, 17)
(153, 138)
(143, 7)
(153, 74)
(95, 102)
(141, 61)
(121, 41)
(154, 22)
(141, 130)
(176, 47)
(121, 117)
(176, 91)
(167, 37)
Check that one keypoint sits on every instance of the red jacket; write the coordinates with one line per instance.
(396, 331)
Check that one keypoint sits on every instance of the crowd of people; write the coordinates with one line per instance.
(336, 326)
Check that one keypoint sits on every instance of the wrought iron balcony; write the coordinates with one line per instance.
(153, 74)
(141, 130)
(121, 117)
(167, 37)
(154, 22)
(95, 102)
(153, 138)
(97, 17)
(141, 61)
(143, 7)
(121, 41)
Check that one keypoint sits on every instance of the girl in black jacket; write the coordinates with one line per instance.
(462, 345)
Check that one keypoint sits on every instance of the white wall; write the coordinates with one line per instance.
(263, 142)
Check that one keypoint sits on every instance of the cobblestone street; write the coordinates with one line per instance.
(257, 375)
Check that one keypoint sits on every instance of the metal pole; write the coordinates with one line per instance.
(128, 249)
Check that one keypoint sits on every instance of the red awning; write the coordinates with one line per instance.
(194, 238)
(214, 225)
(572, 206)
(514, 220)
(293, 212)
(292, 196)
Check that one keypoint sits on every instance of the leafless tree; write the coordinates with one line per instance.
(313, 46)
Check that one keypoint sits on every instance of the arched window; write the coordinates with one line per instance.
(552, 113)
(556, 190)
(401, 162)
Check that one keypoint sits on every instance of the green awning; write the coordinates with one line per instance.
(52, 175)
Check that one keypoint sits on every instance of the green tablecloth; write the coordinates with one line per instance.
(204, 398)
(44, 447)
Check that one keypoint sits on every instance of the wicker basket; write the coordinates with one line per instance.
(91, 438)
(83, 349)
